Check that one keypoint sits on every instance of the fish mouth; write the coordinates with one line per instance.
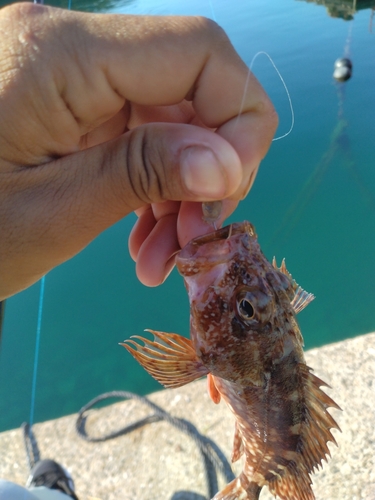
(215, 241)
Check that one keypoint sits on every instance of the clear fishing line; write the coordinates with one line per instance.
(38, 332)
(247, 84)
(212, 10)
(37, 346)
(286, 90)
(285, 87)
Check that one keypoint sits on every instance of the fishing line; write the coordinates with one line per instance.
(212, 10)
(39, 320)
(37, 338)
(2, 309)
(285, 87)
(348, 41)
(37, 346)
(286, 90)
(249, 73)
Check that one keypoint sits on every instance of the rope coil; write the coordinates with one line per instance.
(213, 458)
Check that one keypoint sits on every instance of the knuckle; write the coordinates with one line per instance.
(24, 41)
(144, 162)
(21, 11)
(148, 179)
(210, 30)
(28, 18)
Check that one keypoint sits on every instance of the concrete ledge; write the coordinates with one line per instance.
(159, 462)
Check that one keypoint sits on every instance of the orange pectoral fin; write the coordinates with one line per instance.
(212, 389)
(169, 358)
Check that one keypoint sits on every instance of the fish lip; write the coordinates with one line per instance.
(190, 250)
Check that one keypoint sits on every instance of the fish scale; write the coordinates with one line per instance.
(246, 339)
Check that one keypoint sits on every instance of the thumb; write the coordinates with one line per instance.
(51, 212)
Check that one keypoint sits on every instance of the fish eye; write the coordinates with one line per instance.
(253, 306)
(246, 309)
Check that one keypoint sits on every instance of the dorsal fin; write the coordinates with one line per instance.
(294, 484)
(284, 270)
(301, 298)
(314, 434)
(316, 430)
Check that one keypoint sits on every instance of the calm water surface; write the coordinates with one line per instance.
(313, 202)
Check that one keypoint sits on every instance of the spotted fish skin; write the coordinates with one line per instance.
(245, 336)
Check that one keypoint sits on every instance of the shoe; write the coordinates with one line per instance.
(50, 474)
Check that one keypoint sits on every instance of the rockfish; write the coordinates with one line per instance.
(245, 337)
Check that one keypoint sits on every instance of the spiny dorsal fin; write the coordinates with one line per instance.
(295, 484)
(283, 269)
(314, 434)
(316, 430)
(170, 358)
(301, 298)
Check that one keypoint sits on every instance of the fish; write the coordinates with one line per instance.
(245, 337)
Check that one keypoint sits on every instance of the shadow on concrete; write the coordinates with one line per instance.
(187, 495)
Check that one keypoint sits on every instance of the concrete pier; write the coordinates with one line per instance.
(158, 462)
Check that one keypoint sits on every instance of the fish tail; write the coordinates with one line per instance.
(239, 489)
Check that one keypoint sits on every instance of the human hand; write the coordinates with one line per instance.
(102, 115)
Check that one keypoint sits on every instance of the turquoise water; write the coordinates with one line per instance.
(313, 202)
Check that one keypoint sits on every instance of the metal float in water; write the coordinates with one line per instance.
(342, 69)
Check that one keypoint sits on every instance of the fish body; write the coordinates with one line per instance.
(245, 338)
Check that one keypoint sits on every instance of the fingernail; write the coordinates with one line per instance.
(202, 173)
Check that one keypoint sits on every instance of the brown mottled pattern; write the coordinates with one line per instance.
(254, 352)
(244, 335)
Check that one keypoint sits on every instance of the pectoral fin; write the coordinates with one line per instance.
(169, 358)
(212, 389)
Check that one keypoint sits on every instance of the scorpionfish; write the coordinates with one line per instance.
(245, 337)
